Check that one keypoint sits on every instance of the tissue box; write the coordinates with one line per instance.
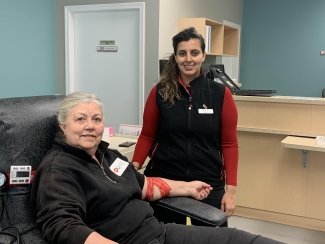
(320, 140)
(108, 131)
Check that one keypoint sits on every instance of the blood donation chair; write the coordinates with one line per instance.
(27, 129)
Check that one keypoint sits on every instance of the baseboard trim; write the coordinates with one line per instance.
(303, 222)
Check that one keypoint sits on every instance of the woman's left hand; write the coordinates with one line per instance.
(228, 203)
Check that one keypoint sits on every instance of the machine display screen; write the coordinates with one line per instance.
(22, 174)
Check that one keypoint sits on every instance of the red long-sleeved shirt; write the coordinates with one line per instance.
(229, 142)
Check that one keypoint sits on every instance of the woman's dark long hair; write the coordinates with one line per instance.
(169, 76)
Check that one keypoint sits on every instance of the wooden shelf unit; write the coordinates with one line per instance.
(224, 39)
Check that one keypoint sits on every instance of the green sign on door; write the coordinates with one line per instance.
(107, 42)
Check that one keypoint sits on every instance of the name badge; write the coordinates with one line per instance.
(119, 166)
(205, 111)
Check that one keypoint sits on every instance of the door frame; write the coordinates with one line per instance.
(69, 20)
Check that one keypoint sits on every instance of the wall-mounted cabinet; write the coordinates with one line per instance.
(223, 39)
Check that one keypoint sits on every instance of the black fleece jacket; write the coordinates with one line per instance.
(74, 196)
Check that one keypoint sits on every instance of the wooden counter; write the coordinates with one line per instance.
(128, 152)
(115, 140)
(273, 184)
(302, 143)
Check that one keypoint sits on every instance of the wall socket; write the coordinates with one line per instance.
(322, 52)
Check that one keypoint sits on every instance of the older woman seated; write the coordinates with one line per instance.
(84, 192)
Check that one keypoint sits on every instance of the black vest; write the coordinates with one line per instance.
(188, 143)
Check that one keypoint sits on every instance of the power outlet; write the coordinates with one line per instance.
(322, 52)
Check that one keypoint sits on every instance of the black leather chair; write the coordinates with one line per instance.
(323, 93)
(27, 129)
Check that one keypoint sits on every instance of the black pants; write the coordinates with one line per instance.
(167, 216)
(182, 234)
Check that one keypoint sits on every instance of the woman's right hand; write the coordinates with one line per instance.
(136, 165)
(199, 190)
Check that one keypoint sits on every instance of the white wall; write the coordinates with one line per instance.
(171, 10)
(161, 20)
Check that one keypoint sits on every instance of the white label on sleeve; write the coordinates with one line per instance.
(205, 111)
(119, 166)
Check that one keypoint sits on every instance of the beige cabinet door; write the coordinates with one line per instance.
(270, 177)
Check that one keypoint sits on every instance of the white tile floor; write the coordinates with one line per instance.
(283, 233)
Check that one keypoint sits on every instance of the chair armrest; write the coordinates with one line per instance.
(193, 209)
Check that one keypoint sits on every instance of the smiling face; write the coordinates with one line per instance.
(189, 58)
(84, 127)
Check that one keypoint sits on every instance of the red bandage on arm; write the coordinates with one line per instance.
(163, 187)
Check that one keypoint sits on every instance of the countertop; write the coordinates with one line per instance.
(282, 99)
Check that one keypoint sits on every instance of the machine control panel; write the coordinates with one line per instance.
(20, 174)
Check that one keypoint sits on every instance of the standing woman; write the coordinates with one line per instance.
(189, 127)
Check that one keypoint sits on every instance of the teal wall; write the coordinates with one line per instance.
(27, 48)
(281, 44)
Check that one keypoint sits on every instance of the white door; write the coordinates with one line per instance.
(115, 76)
